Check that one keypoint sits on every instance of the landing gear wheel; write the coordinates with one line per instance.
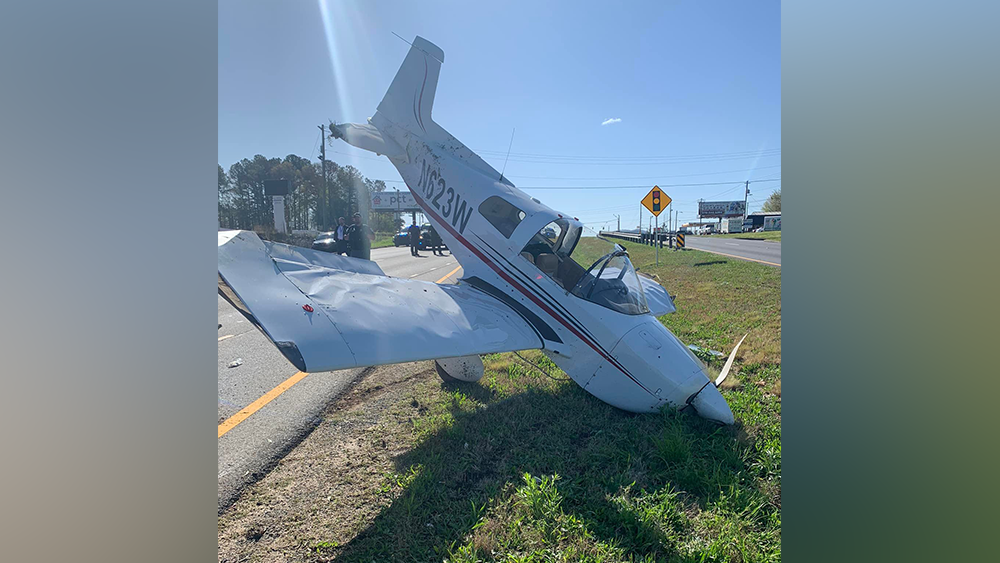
(443, 374)
(467, 369)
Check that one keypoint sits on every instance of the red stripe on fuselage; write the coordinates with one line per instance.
(520, 288)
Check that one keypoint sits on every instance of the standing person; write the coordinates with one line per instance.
(414, 237)
(359, 237)
(435, 241)
(340, 235)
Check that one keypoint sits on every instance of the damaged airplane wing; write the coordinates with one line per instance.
(329, 312)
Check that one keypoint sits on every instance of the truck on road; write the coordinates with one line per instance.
(731, 225)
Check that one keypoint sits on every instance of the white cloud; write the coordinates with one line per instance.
(611, 120)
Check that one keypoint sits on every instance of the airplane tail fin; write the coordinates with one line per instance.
(410, 98)
(407, 105)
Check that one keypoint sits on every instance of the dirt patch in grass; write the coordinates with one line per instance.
(333, 484)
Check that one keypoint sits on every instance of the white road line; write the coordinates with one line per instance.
(221, 338)
(732, 244)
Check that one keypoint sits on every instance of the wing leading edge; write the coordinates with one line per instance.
(327, 312)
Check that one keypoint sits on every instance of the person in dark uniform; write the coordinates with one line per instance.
(359, 237)
(414, 232)
(435, 241)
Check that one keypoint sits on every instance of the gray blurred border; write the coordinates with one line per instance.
(108, 129)
(889, 277)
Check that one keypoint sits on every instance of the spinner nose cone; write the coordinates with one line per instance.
(710, 404)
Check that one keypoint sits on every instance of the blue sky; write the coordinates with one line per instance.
(696, 87)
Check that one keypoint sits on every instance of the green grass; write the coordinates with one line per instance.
(767, 235)
(522, 467)
(382, 240)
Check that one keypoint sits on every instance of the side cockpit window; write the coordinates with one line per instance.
(501, 214)
(550, 249)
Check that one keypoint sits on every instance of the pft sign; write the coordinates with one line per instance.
(393, 201)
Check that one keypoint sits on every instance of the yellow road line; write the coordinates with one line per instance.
(740, 257)
(255, 406)
(451, 273)
(221, 338)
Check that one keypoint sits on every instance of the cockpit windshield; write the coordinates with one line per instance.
(613, 283)
(563, 252)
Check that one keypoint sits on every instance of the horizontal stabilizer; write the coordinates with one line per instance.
(368, 138)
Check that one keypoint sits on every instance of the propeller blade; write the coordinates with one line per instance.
(729, 362)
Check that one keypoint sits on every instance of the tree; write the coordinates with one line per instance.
(242, 204)
(384, 222)
(773, 202)
(227, 215)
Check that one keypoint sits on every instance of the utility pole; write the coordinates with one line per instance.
(746, 196)
(699, 212)
(325, 200)
(619, 223)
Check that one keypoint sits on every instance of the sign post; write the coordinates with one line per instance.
(278, 203)
(278, 189)
(656, 201)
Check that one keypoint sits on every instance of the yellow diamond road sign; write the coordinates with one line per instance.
(656, 201)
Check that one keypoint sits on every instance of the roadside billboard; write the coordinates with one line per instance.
(772, 223)
(721, 208)
(394, 201)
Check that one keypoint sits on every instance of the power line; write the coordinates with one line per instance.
(597, 162)
(319, 136)
(738, 154)
(636, 187)
(643, 186)
(646, 177)
(615, 160)
(737, 182)
(740, 185)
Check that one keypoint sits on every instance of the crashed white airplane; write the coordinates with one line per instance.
(521, 289)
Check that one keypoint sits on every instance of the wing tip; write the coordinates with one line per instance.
(291, 353)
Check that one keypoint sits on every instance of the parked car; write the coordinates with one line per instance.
(402, 238)
(325, 242)
(425, 235)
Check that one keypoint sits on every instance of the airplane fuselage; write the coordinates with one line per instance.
(630, 361)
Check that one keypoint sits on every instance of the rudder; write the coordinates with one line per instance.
(410, 97)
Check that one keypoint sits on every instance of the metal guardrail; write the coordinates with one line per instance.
(649, 239)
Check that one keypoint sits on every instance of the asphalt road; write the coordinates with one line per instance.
(764, 251)
(250, 448)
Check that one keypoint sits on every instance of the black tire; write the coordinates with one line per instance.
(444, 375)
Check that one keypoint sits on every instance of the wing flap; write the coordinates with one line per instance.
(361, 319)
